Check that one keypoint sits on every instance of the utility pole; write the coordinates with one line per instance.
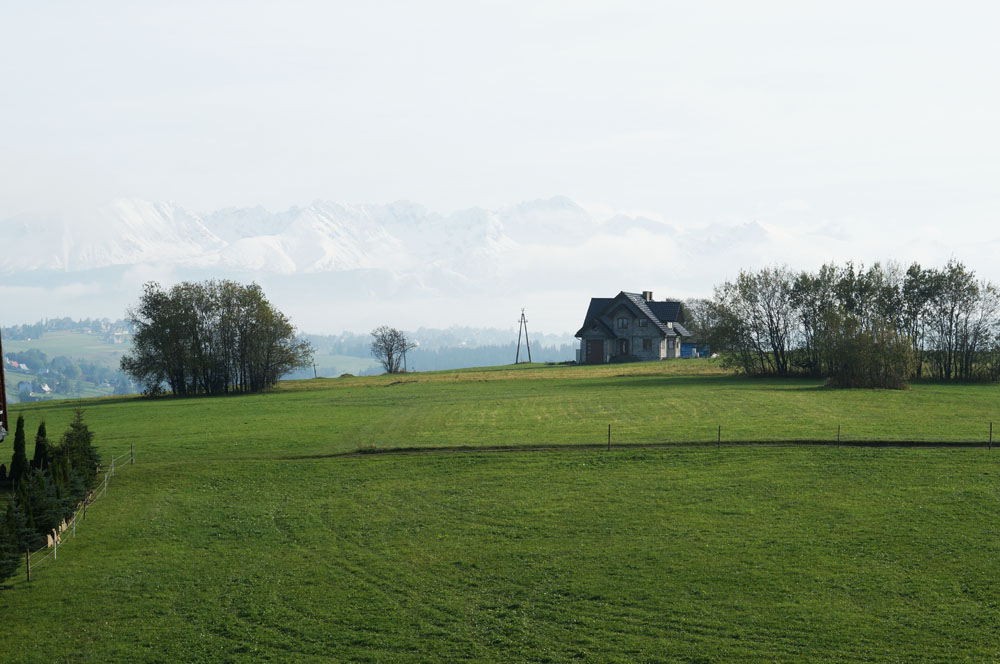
(522, 324)
(4, 425)
(517, 356)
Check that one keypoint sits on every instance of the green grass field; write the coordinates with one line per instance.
(250, 529)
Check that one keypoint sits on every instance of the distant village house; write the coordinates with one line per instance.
(630, 328)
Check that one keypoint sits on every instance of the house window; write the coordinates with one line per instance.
(647, 344)
(622, 323)
(643, 321)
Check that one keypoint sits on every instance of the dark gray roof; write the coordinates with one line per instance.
(597, 305)
(668, 311)
(640, 303)
(660, 313)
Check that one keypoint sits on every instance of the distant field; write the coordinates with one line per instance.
(89, 347)
(242, 533)
(342, 364)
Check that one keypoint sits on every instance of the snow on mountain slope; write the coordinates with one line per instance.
(125, 232)
(263, 253)
(233, 224)
(402, 238)
(132, 232)
(556, 220)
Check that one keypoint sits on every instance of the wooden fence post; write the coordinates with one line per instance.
(27, 560)
(609, 438)
(131, 453)
(718, 442)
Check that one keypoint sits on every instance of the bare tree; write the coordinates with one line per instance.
(757, 317)
(389, 346)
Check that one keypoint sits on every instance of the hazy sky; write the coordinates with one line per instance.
(848, 130)
(797, 112)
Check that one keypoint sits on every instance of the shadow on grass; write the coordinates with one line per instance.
(624, 381)
(576, 447)
(63, 404)
(90, 403)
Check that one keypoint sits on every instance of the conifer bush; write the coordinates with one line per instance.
(19, 462)
(47, 490)
(10, 550)
(77, 446)
(41, 458)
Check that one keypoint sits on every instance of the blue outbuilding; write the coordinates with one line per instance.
(695, 350)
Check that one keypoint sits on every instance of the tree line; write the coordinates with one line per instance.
(876, 326)
(46, 489)
(102, 326)
(210, 337)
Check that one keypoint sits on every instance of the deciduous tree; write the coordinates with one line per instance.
(389, 347)
(210, 338)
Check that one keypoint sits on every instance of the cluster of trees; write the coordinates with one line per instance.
(211, 337)
(879, 326)
(46, 489)
(24, 332)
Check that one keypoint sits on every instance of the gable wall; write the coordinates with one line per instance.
(635, 335)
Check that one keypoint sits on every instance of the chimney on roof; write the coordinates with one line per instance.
(647, 295)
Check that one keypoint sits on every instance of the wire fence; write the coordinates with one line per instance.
(775, 428)
(632, 432)
(852, 432)
(67, 529)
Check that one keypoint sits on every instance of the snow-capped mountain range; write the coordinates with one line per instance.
(334, 266)
(322, 237)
